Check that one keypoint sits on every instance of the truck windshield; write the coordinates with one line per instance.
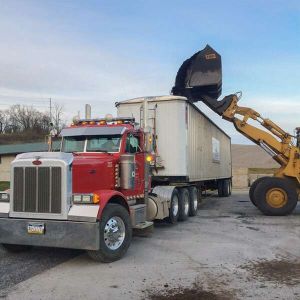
(73, 144)
(107, 143)
(103, 144)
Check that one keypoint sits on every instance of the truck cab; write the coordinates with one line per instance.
(99, 150)
(87, 196)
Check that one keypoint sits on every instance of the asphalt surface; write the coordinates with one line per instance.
(228, 251)
(17, 267)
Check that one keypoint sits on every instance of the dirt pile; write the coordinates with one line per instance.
(193, 293)
(276, 271)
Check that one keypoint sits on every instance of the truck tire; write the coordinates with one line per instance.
(113, 243)
(275, 196)
(226, 188)
(193, 195)
(16, 248)
(184, 204)
(253, 187)
(174, 207)
(220, 187)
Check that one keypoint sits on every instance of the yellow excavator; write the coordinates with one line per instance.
(200, 79)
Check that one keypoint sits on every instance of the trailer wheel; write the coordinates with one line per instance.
(184, 204)
(115, 234)
(220, 187)
(174, 207)
(193, 195)
(253, 187)
(275, 196)
(226, 188)
(16, 248)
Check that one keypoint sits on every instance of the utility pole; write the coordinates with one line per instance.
(50, 106)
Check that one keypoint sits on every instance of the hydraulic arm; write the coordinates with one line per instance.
(200, 79)
(278, 143)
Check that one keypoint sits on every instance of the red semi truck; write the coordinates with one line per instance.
(114, 175)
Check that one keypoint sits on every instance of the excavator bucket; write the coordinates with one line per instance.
(200, 75)
(200, 79)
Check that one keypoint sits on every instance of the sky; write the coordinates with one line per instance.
(100, 52)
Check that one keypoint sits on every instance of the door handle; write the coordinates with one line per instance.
(93, 171)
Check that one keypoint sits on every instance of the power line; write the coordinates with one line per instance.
(44, 99)
(33, 105)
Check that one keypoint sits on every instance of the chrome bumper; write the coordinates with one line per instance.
(60, 234)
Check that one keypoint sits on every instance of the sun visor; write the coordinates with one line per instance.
(84, 131)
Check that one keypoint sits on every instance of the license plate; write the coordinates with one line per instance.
(36, 228)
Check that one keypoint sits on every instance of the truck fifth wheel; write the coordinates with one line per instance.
(114, 175)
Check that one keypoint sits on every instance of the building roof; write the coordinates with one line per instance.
(27, 147)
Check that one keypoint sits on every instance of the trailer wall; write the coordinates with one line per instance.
(191, 146)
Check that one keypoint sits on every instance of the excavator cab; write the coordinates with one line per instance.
(200, 79)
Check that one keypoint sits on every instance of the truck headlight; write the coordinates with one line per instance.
(85, 198)
(4, 197)
(77, 198)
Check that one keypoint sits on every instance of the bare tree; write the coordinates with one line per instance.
(26, 118)
(57, 117)
(27, 123)
(4, 121)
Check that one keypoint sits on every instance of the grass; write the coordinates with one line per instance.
(4, 185)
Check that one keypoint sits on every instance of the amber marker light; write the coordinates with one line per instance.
(149, 158)
(96, 198)
(119, 122)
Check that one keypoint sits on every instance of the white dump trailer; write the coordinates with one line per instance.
(190, 148)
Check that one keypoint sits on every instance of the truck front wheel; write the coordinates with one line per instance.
(115, 234)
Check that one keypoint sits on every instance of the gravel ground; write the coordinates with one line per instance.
(17, 267)
(228, 251)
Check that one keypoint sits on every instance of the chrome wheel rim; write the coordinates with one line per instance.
(175, 206)
(114, 233)
(195, 200)
(186, 206)
(195, 204)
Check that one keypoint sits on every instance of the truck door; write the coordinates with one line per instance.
(133, 146)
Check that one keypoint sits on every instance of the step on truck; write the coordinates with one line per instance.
(116, 175)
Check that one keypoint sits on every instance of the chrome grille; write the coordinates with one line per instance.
(37, 189)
